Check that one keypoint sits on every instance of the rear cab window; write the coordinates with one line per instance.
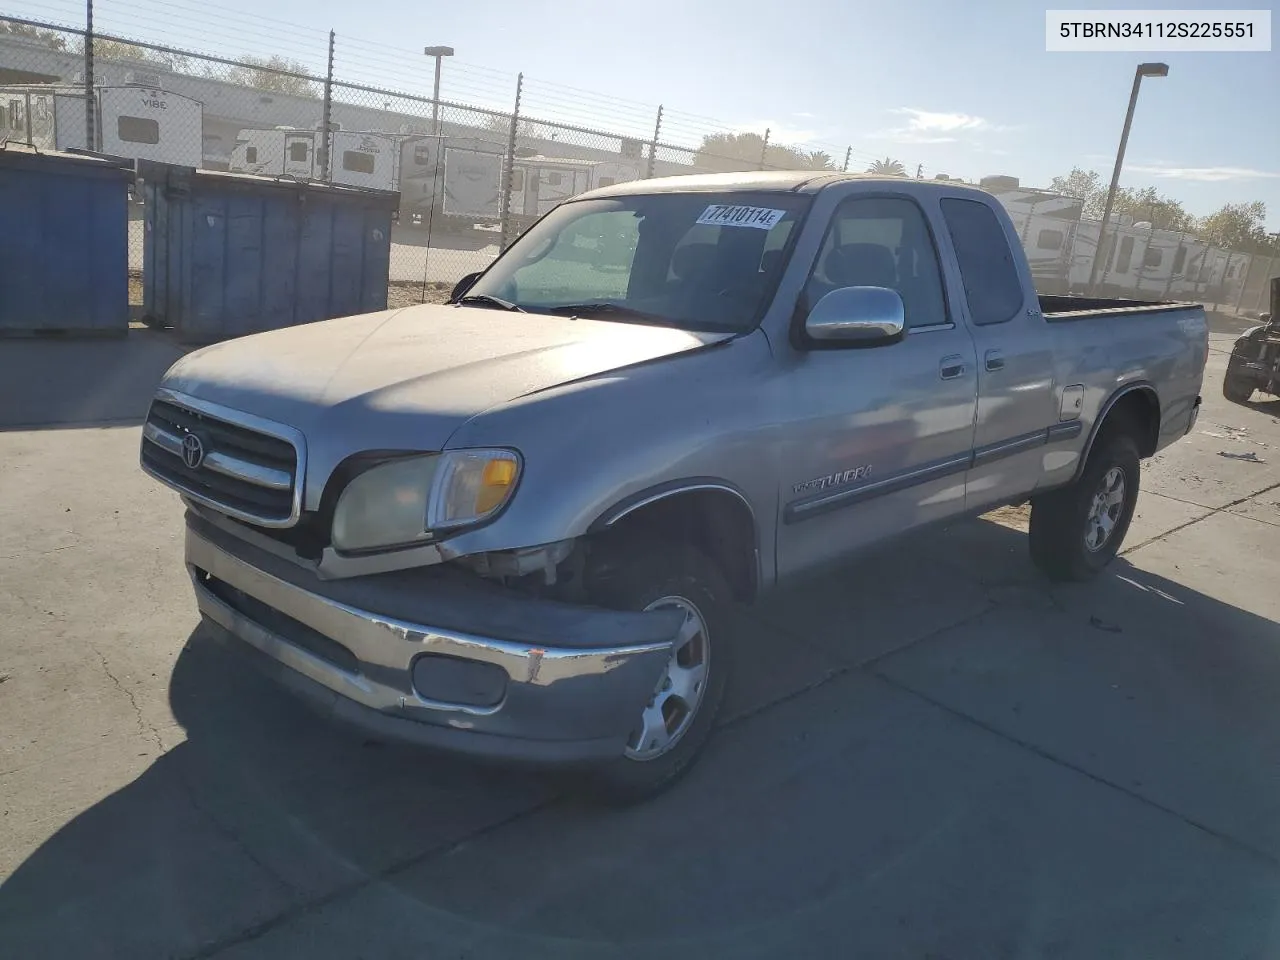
(992, 287)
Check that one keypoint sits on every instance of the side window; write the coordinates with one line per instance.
(1050, 240)
(1125, 258)
(552, 178)
(298, 151)
(1180, 260)
(250, 154)
(138, 130)
(882, 242)
(1153, 257)
(357, 162)
(991, 285)
(517, 179)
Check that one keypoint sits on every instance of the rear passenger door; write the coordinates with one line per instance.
(875, 440)
(1016, 392)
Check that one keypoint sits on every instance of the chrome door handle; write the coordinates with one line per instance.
(994, 360)
(951, 367)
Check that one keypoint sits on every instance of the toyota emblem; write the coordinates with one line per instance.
(192, 451)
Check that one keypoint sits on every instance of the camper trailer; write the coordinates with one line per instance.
(539, 184)
(450, 181)
(1046, 223)
(359, 159)
(140, 122)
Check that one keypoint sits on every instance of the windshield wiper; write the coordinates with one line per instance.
(484, 300)
(598, 309)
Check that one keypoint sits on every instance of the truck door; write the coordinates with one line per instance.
(1016, 393)
(875, 440)
(299, 155)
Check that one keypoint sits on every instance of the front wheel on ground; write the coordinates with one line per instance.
(673, 726)
(1078, 529)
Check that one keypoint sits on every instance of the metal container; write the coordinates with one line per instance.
(229, 254)
(64, 243)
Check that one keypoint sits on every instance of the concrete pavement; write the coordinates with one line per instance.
(928, 753)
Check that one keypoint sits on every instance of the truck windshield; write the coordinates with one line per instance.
(699, 261)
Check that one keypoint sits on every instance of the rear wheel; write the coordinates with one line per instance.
(1077, 530)
(1236, 387)
(674, 725)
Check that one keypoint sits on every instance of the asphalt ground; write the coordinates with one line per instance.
(930, 752)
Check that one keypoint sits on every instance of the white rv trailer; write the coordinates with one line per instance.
(452, 181)
(140, 122)
(1046, 223)
(359, 159)
(539, 184)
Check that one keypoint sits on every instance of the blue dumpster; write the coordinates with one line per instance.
(229, 254)
(64, 243)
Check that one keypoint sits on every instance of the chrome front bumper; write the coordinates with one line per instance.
(565, 703)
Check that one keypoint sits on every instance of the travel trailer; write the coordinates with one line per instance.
(1139, 261)
(450, 181)
(539, 184)
(359, 159)
(139, 121)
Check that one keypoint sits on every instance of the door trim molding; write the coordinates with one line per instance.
(815, 506)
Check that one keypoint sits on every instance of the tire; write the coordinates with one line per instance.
(1237, 389)
(653, 576)
(1068, 540)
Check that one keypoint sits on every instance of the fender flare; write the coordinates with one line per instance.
(1104, 411)
(670, 488)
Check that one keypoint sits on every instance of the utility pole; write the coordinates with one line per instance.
(1144, 70)
(90, 141)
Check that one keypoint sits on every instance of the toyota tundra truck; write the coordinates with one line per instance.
(513, 525)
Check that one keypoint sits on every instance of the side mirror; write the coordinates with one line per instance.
(861, 316)
(462, 286)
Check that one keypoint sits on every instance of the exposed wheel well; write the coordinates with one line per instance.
(718, 523)
(1138, 414)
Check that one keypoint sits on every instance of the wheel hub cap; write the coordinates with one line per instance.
(670, 711)
(1104, 510)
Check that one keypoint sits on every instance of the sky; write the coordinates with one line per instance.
(963, 89)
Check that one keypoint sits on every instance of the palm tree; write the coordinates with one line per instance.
(888, 167)
(820, 160)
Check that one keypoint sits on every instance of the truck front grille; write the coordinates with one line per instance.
(241, 471)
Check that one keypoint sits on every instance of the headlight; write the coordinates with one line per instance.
(406, 501)
(386, 505)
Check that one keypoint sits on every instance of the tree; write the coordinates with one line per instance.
(728, 152)
(49, 38)
(129, 52)
(888, 167)
(1163, 213)
(1238, 226)
(1145, 205)
(820, 160)
(1083, 185)
(275, 74)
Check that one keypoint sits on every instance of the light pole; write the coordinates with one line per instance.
(1144, 70)
(439, 53)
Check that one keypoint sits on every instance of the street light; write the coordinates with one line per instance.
(1144, 70)
(439, 53)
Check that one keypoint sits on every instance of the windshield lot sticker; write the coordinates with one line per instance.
(726, 215)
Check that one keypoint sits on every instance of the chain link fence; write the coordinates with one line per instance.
(473, 168)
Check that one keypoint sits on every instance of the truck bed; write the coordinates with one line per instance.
(1075, 308)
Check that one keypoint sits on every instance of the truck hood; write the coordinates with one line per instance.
(406, 379)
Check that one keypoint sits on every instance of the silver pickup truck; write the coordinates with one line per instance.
(512, 525)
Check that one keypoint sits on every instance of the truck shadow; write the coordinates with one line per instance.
(260, 811)
(54, 383)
